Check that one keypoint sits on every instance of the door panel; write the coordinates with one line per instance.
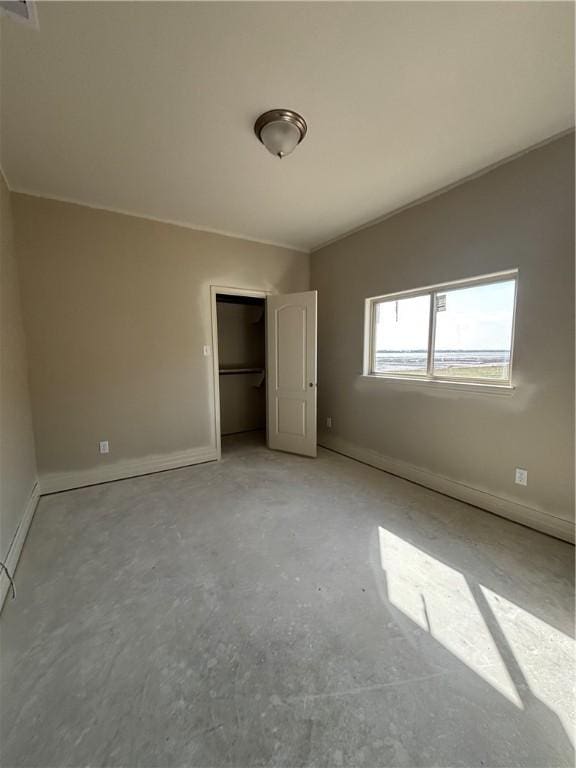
(291, 417)
(290, 341)
(291, 368)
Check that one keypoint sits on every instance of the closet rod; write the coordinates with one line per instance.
(227, 371)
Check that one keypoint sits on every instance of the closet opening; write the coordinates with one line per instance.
(241, 324)
(264, 369)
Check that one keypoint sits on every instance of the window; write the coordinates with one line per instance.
(459, 331)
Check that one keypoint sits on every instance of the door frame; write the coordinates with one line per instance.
(227, 290)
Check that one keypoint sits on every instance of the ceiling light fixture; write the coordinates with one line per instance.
(280, 130)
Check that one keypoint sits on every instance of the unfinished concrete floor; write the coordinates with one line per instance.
(272, 610)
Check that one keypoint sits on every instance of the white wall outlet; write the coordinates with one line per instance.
(206, 350)
(104, 447)
(521, 476)
(329, 422)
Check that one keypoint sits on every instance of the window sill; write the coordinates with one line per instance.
(463, 386)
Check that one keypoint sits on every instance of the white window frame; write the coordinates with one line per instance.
(429, 377)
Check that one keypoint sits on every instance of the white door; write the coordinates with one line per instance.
(291, 372)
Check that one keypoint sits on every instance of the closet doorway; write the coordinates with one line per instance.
(264, 352)
(241, 363)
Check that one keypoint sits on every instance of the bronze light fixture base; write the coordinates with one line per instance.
(285, 140)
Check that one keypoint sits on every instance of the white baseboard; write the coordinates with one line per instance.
(512, 510)
(18, 542)
(65, 481)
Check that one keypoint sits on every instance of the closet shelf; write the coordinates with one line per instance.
(227, 371)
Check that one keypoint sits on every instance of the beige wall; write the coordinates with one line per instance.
(17, 460)
(117, 311)
(519, 215)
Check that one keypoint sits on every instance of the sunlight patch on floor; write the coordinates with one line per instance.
(542, 652)
(439, 600)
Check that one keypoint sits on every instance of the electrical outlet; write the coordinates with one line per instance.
(104, 446)
(521, 476)
(206, 350)
(329, 422)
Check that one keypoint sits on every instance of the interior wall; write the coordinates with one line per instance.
(518, 215)
(17, 459)
(117, 311)
(241, 344)
(241, 335)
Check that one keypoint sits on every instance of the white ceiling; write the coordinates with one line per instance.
(148, 108)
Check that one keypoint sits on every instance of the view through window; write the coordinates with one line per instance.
(457, 331)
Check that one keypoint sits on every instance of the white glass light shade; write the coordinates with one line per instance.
(280, 137)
